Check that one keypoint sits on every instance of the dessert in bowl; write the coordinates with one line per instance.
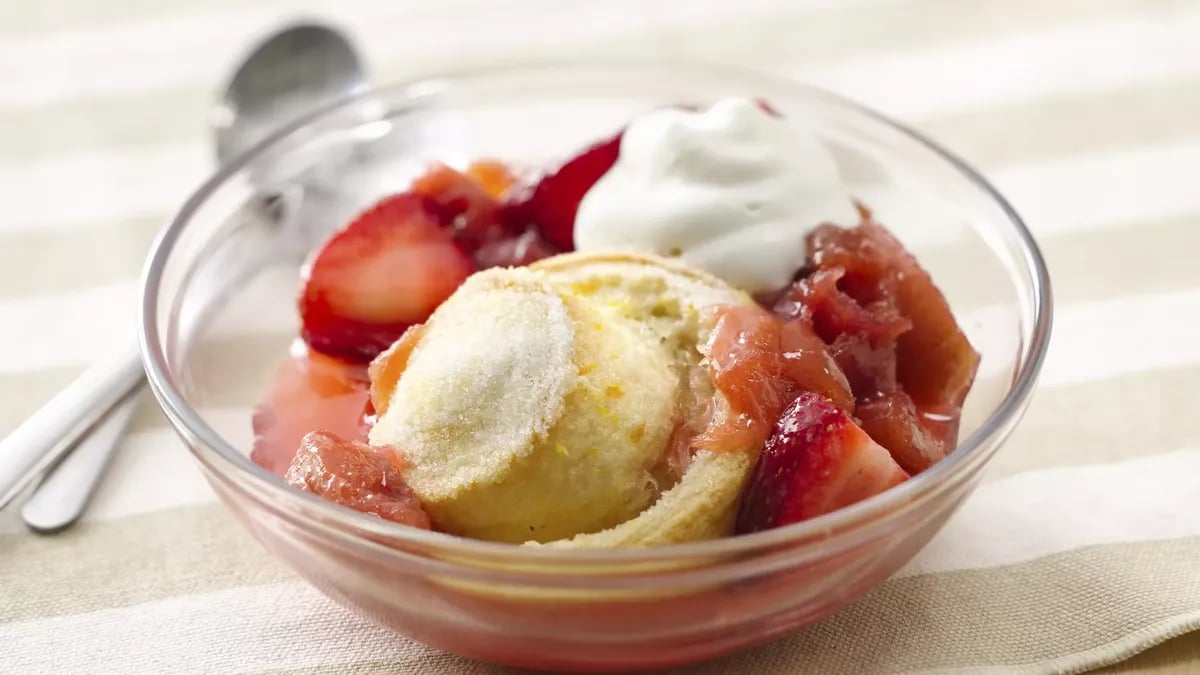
(655, 401)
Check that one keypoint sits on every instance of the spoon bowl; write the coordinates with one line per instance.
(286, 74)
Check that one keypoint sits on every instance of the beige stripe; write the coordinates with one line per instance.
(997, 618)
(1092, 265)
(1101, 422)
(176, 114)
(236, 371)
(992, 621)
(1081, 263)
(233, 372)
(35, 262)
(158, 555)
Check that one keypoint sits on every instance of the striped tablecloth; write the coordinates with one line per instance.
(1083, 547)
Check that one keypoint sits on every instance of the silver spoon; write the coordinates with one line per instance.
(289, 72)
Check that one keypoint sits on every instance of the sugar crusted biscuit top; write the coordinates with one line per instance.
(538, 403)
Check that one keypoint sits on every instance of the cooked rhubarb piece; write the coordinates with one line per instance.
(815, 461)
(892, 420)
(747, 368)
(759, 364)
(357, 476)
(935, 362)
(493, 176)
(867, 297)
(463, 204)
(810, 365)
(862, 337)
(310, 391)
(385, 370)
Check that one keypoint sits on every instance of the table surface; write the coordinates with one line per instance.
(1083, 112)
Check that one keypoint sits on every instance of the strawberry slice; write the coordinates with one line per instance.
(815, 461)
(551, 205)
(310, 391)
(356, 475)
(389, 269)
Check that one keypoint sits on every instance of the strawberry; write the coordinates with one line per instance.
(815, 461)
(551, 204)
(310, 391)
(357, 476)
(387, 270)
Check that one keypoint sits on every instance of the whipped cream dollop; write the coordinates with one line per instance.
(732, 189)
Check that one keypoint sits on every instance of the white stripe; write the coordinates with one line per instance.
(79, 327)
(99, 187)
(175, 51)
(292, 625)
(1115, 187)
(1098, 340)
(1040, 513)
(66, 329)
(1129, 334)
(1094, 57)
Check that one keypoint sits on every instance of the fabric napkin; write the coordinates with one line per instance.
(1081, 549)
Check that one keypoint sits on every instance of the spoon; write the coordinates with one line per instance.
(289, 72)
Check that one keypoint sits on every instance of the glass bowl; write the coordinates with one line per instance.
(218, 314)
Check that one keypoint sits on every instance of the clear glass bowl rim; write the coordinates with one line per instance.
(868, 515)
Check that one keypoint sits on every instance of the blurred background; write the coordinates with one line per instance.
(1085, 113)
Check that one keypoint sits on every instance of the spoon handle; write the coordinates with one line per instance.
(60, 498)
(34, 445)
